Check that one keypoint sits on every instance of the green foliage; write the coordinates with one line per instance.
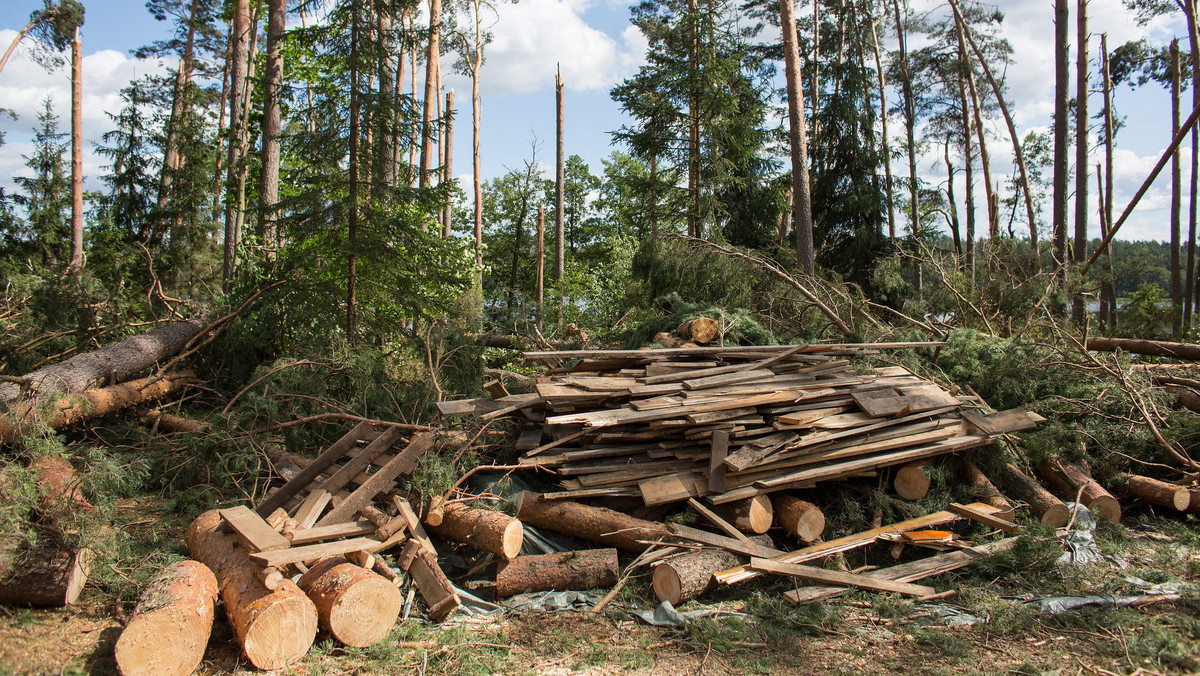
(1146, 313)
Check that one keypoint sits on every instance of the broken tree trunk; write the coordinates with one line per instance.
(563, 571)
(1156, 492)
(1070, 481)
(589, 523)
(50, 574)
(483, 529)
(1049, 510)
(912, 481)
(173, 424)
(752, 515)
(355, 605)
(801, 519)
(1153, 348)
(985, 491)
(26, 417)
(169, 629)
(275, 628)
(111, 363)
(683, 578)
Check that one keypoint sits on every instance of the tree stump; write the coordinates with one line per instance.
(274, 627)
(355, 605)
(49, 575)
(563, 571)
(168, 631)
(700, 330)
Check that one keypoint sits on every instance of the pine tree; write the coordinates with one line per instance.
(45, 196)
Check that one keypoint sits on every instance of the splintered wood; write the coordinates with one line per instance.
(728, 424)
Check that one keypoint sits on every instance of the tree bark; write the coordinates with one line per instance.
(798, 135)
(985, 491)
(1177, 296)
(1061, 143)
(1155, 492)
(171, 158)
(238, 56)
(969, 176)
(1049, 510)
(1153, 348)
(168, 631)
(77, 259)
(560, 177)
(484, 529)
(952, 205)
(1190, 286)
(12, 46)
(352, 226)
(432, 67)
(683, 578)
(977, 112)
(112, 363)
(801, 519)
(883, 120)
(448, 166)
(1070, 481)
(540, 272)
(693, 209)
(47, 575)
(268, 178)
(27, 417)
(910, 121)
(595, 524)
(355, 605)
(1082, 165)
(563, 571)
(1108, 291)
(275, 628)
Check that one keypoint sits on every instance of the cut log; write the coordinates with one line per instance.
(275, 628)
(1068, 480)
(168, 631)
(667, 340)
(355, 605)
(483, 529)
(1049, 510)
(753, 515)
(801, 519)
(912, 481)
(60, 484)
(683, 578)
(173, 424)
(1156, 492)
(596, 524)
(48, 575)
(985, 491)
(24, 417)
(700, 330)
(1153, 348)
(110, 364)
(563, 571)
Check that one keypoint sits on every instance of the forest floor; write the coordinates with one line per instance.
(757, 632)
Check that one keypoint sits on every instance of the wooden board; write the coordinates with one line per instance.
(1004, 422)
(403, 463)
(983, 517)
(814, 574)
(717, 521)
(888, 402)
(310, 510)
(730, 544)
(716, 467)
(672, 488)
(284, 557)
(360, 462)
(308, 536)
(486, 404)
(322, 462)
(252, 530)
(529, 440)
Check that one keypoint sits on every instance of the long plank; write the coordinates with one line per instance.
(814, 574)
(909, 572)
(251, 529)
(315, 469)
(683, 351)
(982, 517)
(310, 510)
(716, 464)
(853, 541)
(403, 463)
(717, 521)
(610, 417)
(284, 557)
(731, 544)
(952, 445)
(339, 531)
(361, 461)
(486, 404)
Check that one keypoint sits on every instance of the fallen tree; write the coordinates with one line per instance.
(112, 363)
(1150, 348)
(27, 416)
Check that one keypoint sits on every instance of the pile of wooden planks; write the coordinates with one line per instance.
(728, 424)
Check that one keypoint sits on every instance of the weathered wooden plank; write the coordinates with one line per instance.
(283, 557)
(360, 462)
(983, 517)
(363, 430)
(403, 463)
(838, 577)
(717, 521)
(308, 536)
(716, 465)
(252, 530)
(310, 510)
(727, 543)
(661, 490)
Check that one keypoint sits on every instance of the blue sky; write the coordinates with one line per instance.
(596, 48)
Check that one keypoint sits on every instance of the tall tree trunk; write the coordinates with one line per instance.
(12, 46)
(910, 121)
(969, 174)
(76, 265)
(431, 95)
(883, 121)
(171, 160)
(953, 204)
(654, 195)
(226, 70)
(385, 127)
(448, 168)
(268, 178)
(814, 81)
(802, 199)
(1107, 290)
(244, 128)
(540, 273)
(1018, 152)
(520, 224)
(1190, 286)
(1177, 297)
(560, 177)
(414, 142)
(1082, 165)
(476, 111)
(398, 113)
(237, 88)
(693, 219)
(1062, 143)
(352, 226)
(993, 204)
(312, 114)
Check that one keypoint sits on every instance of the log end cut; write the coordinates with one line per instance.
(667, 585)
(912, 481)
(171, 624)
(281, 634)
(1056, 516)
(355, 605)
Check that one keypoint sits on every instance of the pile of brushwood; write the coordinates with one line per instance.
(704, 465)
